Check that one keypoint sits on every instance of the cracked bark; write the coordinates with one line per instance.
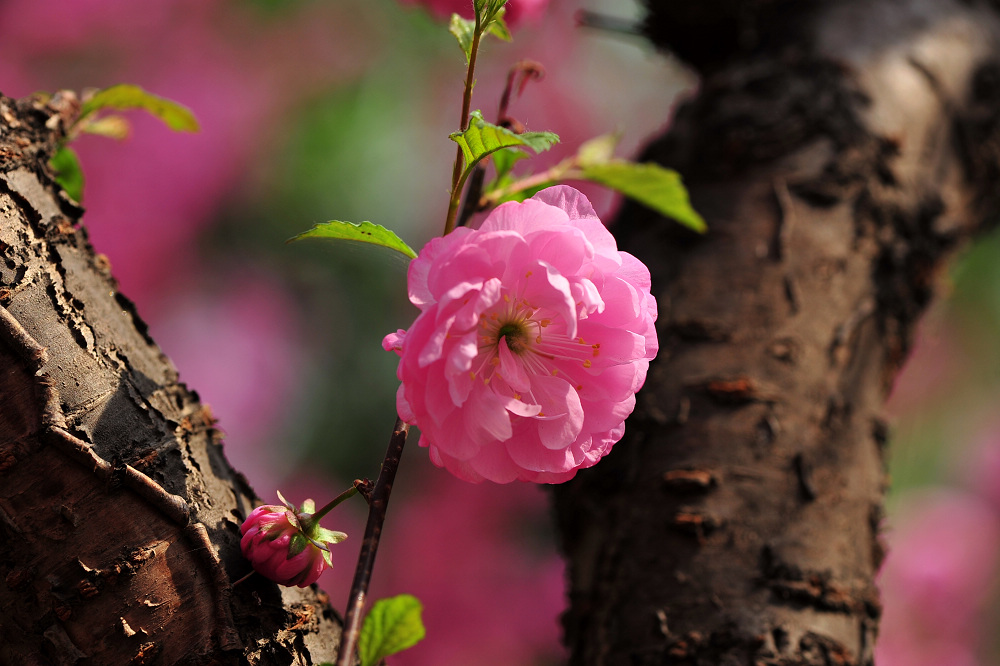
(840, 152)
(119, 515)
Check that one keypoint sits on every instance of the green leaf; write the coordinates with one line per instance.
(464, 30)
(599, 150)
(124, 96)
(483, 138)
(393, 625)
(498, 28)
(649, 184)
(113, 127)
(365, 232)
(69, 175)
(504, 160)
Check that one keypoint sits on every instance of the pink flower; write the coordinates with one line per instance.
(286, 546)
(517, 10)
(535, 333)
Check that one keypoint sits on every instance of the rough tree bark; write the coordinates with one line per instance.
(119, 515)
(840, 152)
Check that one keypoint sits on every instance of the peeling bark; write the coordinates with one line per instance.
(840, 152)
(119, 514)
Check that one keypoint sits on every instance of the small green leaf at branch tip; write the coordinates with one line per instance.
(483, 138)
(69, 175)
(391, 626)
(498, 28)
(651, 185)
(124, 96)
(364, 232)
(464, 30)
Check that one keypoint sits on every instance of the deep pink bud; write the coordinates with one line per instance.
(285, 545)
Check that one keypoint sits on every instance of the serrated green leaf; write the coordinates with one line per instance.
(464, 30)
(125, 96)
(649, 184)
(365, 232)
(504, 160)
(69, 175)
(483, 138)
(393, 625)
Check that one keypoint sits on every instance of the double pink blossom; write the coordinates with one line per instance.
(535, 333)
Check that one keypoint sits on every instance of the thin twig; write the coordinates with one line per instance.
(456, 174)
(369, 546)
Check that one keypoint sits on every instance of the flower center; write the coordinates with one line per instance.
(516, 336)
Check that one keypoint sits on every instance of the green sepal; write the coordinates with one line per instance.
(69, 175)
(297, 545)
(650, 184)
(308, 506)
(482, 139)
(124, 96)
(288, 505)
(323, 536)
(391, 626)
(365, 232)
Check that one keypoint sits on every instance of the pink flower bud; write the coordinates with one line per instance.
(286, 546)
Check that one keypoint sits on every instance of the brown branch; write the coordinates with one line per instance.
(377, 505)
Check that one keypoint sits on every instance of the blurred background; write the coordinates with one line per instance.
(340, 109)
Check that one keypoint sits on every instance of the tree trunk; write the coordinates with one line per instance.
(839, 151)
(119, 515)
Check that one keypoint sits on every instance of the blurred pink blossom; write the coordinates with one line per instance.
(481, 560)
(937, 579)
(534, 336)
(238, 345)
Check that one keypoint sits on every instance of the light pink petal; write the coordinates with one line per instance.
(570, 200)
(486, 419)
(563, 414)
(394, 342)
(512, 368)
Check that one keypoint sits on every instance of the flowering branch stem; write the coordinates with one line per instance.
(456, 174)
(350, 492)
(565, 170)
(369, 546)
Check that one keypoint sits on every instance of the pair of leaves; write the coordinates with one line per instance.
(122, 97)
(648, 183)
(491, 22)
(480, 140)
(392, 626)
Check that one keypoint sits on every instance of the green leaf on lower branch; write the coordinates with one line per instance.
(391, 626)
(651, 185)
(69, 175)
(124, 96)
(365, 232)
